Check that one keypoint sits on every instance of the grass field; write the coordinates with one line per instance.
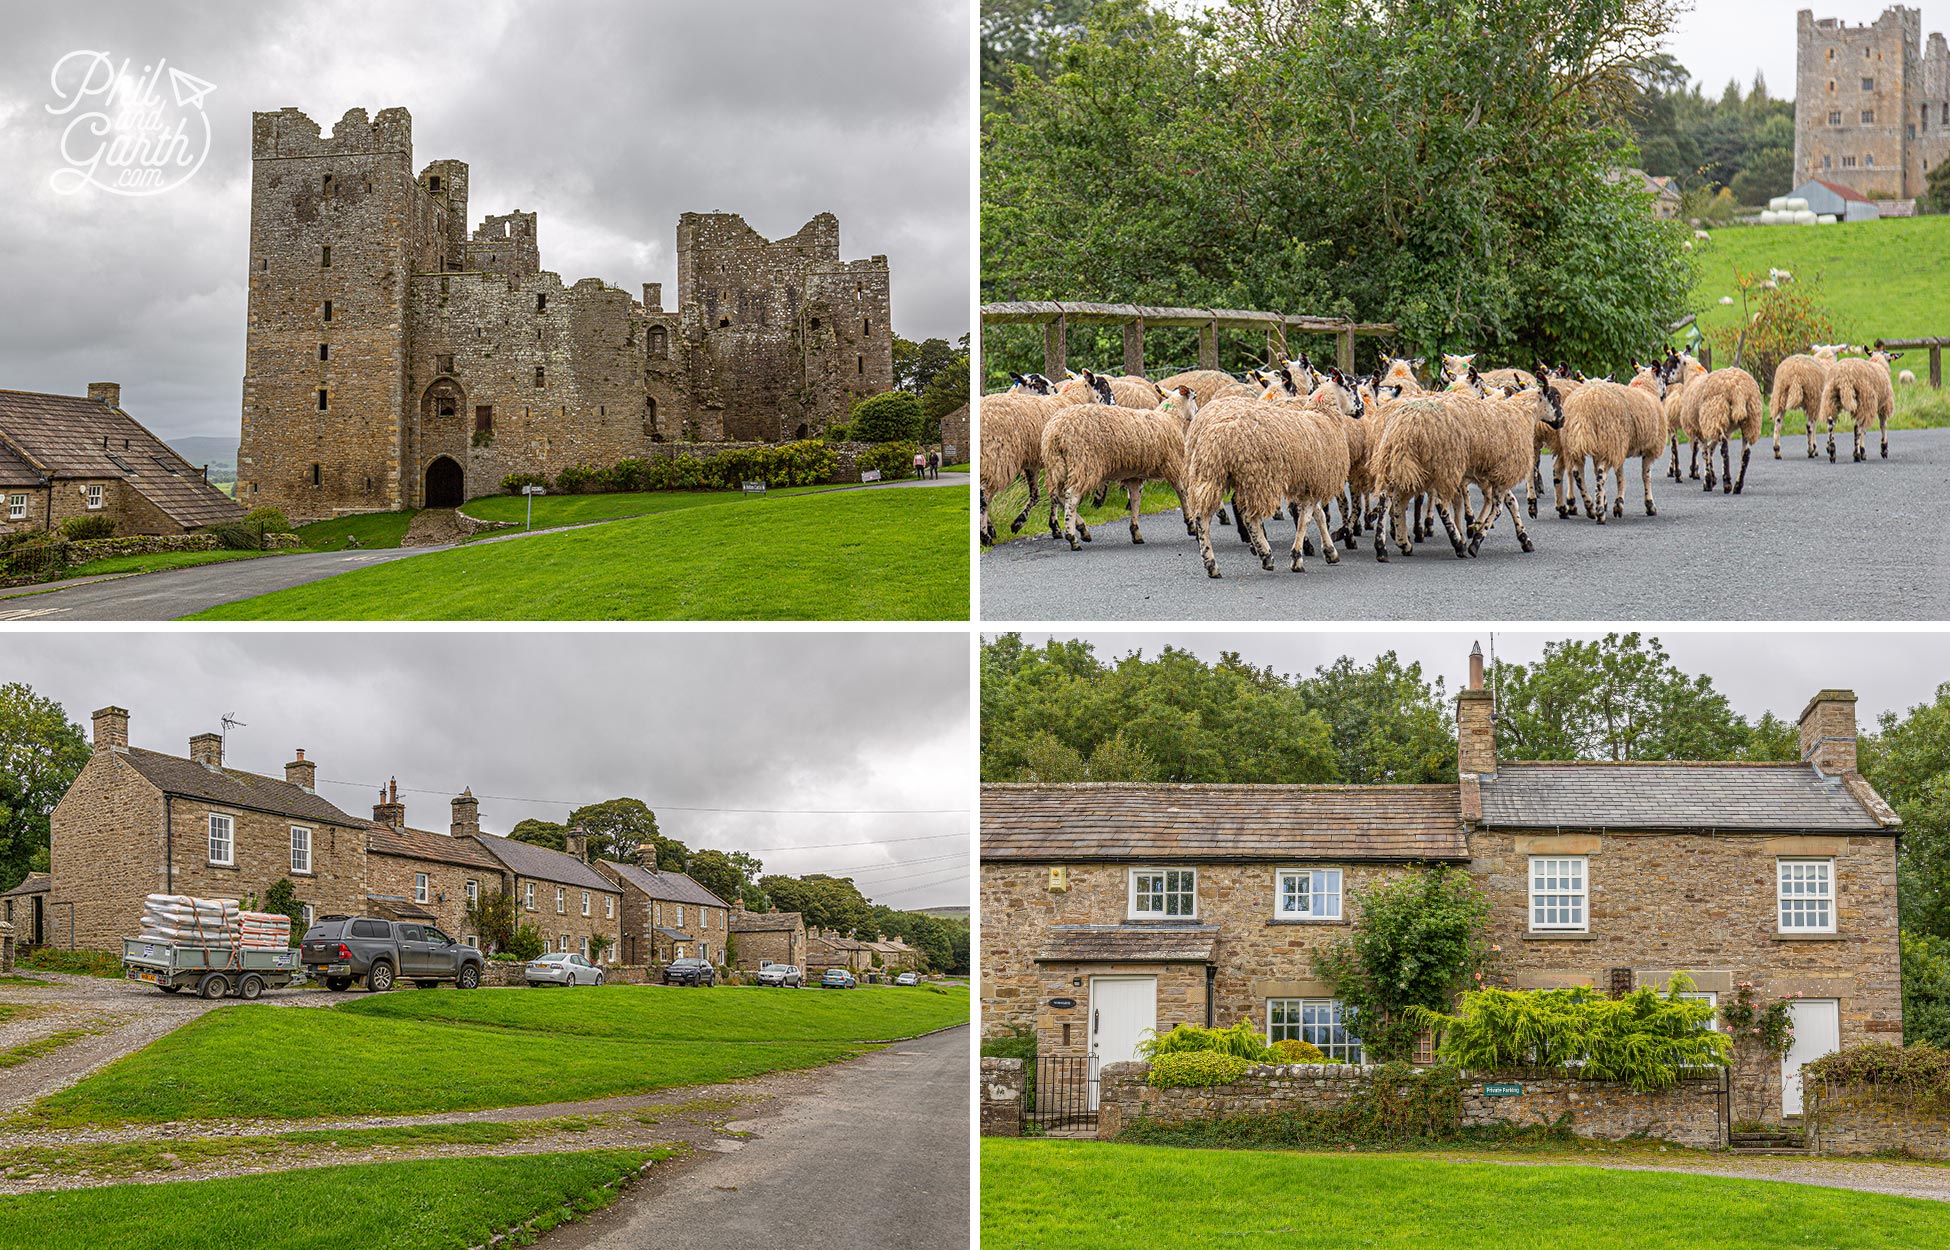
(575, 509)
(372, 529)
(855, 555)
(1880, 279)
(452, 1050)
(1092, 1196)
(432, 1204)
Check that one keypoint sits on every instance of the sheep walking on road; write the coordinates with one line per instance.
(1799, 381)
(1012, 438)
(1728, 400)
(1423, 450)
(1271, 456)
(1090, 444)
(1600, 420)
(1860, 388)
(1502, 453)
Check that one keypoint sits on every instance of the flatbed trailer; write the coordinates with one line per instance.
(211, 970)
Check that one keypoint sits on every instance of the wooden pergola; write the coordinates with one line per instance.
(1056, 318)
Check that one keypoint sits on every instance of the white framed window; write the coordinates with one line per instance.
(300, 849)
(585, 948)
(223, 832)
(1156, 893)
(1805, 890)
(1316, 1020)
(1307, 894)
(468, 939)
(657, 910)
(565, 943)
(561, 901)
(704, 950)
(473, 889)
(1711, 999)
(609, 907)
(528, 895)
(585, 902)
(305, 914)
(94, 498)
(680, 915)
(419, 887)
(1558, 894)
(16, 507)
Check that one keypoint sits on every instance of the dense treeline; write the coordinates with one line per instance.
(1740, 141)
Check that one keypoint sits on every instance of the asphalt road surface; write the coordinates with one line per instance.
(876, 1158)
(1806, 540)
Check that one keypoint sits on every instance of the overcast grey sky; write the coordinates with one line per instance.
(537, 724)
(1757, 670)
(1723, 39)
(607, 117)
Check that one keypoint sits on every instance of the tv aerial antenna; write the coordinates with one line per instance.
(228, 723)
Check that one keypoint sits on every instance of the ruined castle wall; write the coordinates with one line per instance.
(1857, 91)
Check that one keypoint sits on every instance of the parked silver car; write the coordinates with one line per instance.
(562, 968)
(781, 974)
(908, 978)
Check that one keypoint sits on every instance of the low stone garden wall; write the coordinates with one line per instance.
(505, 972)
(1001, 1097)
(1856, 1120)
(1687, 1115)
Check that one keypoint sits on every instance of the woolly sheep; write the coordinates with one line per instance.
(1798, 383)
(1860, 388)
(1423, 450)
(1271, 455)
(1649, 431)
(1011, 424)
(1091, 443)
(1906, 378)
(1128, 391)
(1502, 452)
(1728, 399)
(1600, 421)
(1206, 384)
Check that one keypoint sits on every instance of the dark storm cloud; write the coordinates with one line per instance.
(609, 119)
(538, 723)
(1757, 670)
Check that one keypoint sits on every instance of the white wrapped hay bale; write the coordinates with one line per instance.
(1777, 204)
(1802, 217)
(1796, 205)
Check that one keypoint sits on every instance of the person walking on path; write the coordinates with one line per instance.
(920, 465)
(934, 465)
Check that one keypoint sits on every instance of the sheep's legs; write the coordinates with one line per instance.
(1535, 486)
(1814, 423)
(1380, 527)
(1726, 465)
(1479, 528)
(1860, 454)
(1882, 427)
(1618, 496)
(987, 530)
(1205, 548)
(1022, 518)
(1516, 519)
(1693, 470)
(1071, 497)
(1711, 480)
(1329, 549)
(1831, 437)
(1778, 412)
(1103, 491)
(1673, 472)
(1746, 450)
(1134, 492)
(1645, 476)
(1449, 527)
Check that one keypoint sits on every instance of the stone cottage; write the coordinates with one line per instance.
(769, 937)
(667, 915)
(561, 895)
(65, 456)
(424, 875)
(25, 908)
(1110, 911)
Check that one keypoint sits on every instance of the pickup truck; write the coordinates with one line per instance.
(339, 950)
(213, 971)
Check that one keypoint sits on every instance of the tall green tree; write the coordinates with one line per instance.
(543, 833)
(1389, 723)
(916, 365)
(1907, 759)
(726, 874)
(41, 752)
(833, 903)
(619, 828)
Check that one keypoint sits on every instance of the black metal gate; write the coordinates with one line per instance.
(1063, 1098)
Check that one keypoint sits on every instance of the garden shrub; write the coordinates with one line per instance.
(579, 480)
(1293, 1050)
(77, 528)
(268, 520)
(236, 536)
(526, 943)
(889, 418)
(1196, 1068)
(1918, 1074)
(894, 460)
(512, 484)
(1241, 1041)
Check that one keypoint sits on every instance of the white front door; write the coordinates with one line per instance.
(1123, 1012)
(1817, 1032)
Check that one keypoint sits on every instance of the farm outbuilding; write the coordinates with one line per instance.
(1845, 203)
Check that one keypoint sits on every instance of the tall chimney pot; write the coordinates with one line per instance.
(467, 814)
(112, 728)
(1828, 732)
(302, 772)
(207, 750)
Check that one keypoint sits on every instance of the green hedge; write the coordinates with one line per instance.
(1196, 1069)
(80, 527)
(1241, 1041)
(894, 460)
(804, 463)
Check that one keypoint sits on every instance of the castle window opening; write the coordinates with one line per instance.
(484, 418)
(1868, 84)
(325, 257)
(324, 351)
(1831, 86)
(321, 399)
(541, 378)
(659, 343)
(802, 430)
(862, 367)
(325, 188)
(815, 323)
(433, 183)
(368, 484)
(1868, 117)
(541, 303)
(328, 310)
(264, 265)
(1869, 161)
(1824, 162)
(1912, 130)
(445, 405)
(1834, 117)
(317, 474)
(724, 323)
(445, 364)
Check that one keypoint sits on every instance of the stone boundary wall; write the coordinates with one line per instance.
(1001, 1097)
(502, 973)
(1687, 1115)
(1851, 1120)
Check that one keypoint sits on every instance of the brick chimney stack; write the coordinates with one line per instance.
(1476, 723)
(302, 772)
(389, 810)
(109, 393)
(467, 814)
(576, 842)
(112, 728)
(207, 750)
(1828, 732)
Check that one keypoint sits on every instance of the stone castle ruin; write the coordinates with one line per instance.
(394, 359)
(1871, 103)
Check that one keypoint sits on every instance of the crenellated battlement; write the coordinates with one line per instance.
(290, 132)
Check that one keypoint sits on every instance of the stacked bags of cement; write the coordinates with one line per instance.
(261, 930)
(181, 918)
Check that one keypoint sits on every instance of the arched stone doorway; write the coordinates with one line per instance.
(446, 483)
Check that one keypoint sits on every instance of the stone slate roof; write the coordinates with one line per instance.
(399, 907)
(674, 935)
(1156, 944)
(670, 887)
(72, 436)
(543, 864)
(35, 883)
(1221, 822)
(230, 787)
(17, 472)
(1786, 798)
(765, 921)
(422, 844)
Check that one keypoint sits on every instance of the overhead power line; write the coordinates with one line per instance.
(673, 807)
(924, 885)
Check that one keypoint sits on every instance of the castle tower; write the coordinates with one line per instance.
(1872, 103)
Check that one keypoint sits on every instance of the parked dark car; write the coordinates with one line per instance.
(690, 972)
(339, 950)
(838, 979)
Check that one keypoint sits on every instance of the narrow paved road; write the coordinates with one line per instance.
(174, 593)
(874, 1158)
(1806, 540)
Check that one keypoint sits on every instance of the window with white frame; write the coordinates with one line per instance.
(304, 915)
(16, 507)
(565, 943)
(1806, 891)
(94, 498)
(468, 939)
(419, 887)
(609, 907)
(1708, 997)
(585, 948)
(561, 901)
(1308, 894)
(473, 889)
(1558, 894)
(680, 915)
(528, 895)
(1157, 893)
(585, 902)
(704, 950)
(1316, 1020)
(223, 832)
(300, 849)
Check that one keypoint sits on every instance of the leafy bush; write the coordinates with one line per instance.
(1919, 1074)
(894, 460)
(1241, 1041)
(77, 528)
(1417, 941)
(1293, 1050)
(1748, 1019)
(889, 418)
(1926, 989)
(579, 480)
(268, 520)
(1776, 324)
(236, 536)
(839, 432)
(1196, 1068)
(526, 943)
(1645, 1039)
(512, 484)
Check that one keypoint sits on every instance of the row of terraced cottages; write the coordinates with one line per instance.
(137, 822)
(1110, 911)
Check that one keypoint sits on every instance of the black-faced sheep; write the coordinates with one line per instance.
(1011, 424)
(1502, 453)
(1270, 455)
(1423, 450)
(1088, 444)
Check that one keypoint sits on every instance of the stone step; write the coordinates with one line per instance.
(1771, 1150)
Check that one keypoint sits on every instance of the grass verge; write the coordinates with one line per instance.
(14, 1056)
(1100, 1196)
(158, 562)
(15, 979)
(855, 555)
(419, 1205)
(80, 963)
(372, 529)
(1157, 497)
(577, 509)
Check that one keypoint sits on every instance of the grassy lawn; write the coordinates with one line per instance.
(1157, 497)
(82, 963)
(160, 560)
(372, 529)
(855, 555)
(15, 979)
(1880, 279)
(420, 1205)
(660, 1013)
(575, 509)
(14, 1056)
(1092, 1196)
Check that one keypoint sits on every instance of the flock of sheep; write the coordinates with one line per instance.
(1390, 454)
